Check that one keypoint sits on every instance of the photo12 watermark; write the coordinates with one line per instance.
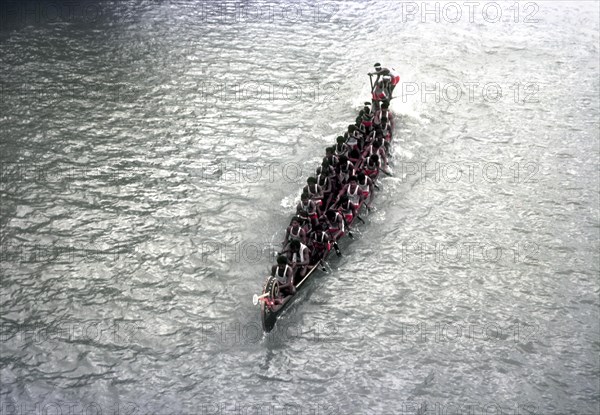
(463, 332)
(20, 13)
(63, 178)
(208, 89)
(244, 252)
(472, 172)
(249, 172)
(467, 252)
(255, 91)
(66, 407)
(518, 92)
(45, 94)
(467, 407)
(469, 11)
(25, 252)
(231, 12)
(119, 332)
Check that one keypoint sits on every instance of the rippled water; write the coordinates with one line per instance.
(152, 152)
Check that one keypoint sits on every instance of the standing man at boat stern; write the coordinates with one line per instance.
(391, 72)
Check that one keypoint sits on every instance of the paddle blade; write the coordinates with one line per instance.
(255, 299)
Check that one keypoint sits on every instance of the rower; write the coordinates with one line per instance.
(367, 119)
(325, 174)
(371, 167)
(391, 72)
(354, 137)
(315, 192)
(347, 209)
(294, 232)
(299, 255)
(355, 158)
(366, 185)
(369, 138)
(341, 149)
(385, 128)
(345, 170)
(325, 177)
(379, 94)
(376, 147)
(320, 243)
(336, 225)
(358, 120)
(383, 112)
(330, 156)
(284, 275)
(307, 210)
(353, 191)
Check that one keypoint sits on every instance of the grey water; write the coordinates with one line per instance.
(152, 153)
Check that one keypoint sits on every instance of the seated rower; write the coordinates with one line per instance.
(385, 129)
(341, 149)
(384, 112)
(345, 169)
(356, 158)
(379, 95)
(358, 120)
(369, 138)
(285, 276)
(367, 119)
(367, 186)
(347, 209)
(354, 137)
(352, 191)
(325, 177)
(294, 232)
(336, 227)
(320, 243)
(330, 156)
(315, 192)
(306, 210)
(371, 167)
(376, 147)
(299, 255)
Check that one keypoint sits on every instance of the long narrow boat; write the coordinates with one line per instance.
(270, 309)
(272, 304)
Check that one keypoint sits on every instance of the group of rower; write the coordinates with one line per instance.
(343, 182)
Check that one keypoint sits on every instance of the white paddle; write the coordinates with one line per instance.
(257, 297)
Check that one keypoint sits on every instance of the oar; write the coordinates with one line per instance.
(361, 219)
(258, 297)
(371, 80)
(348, 226)
(337, 249)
